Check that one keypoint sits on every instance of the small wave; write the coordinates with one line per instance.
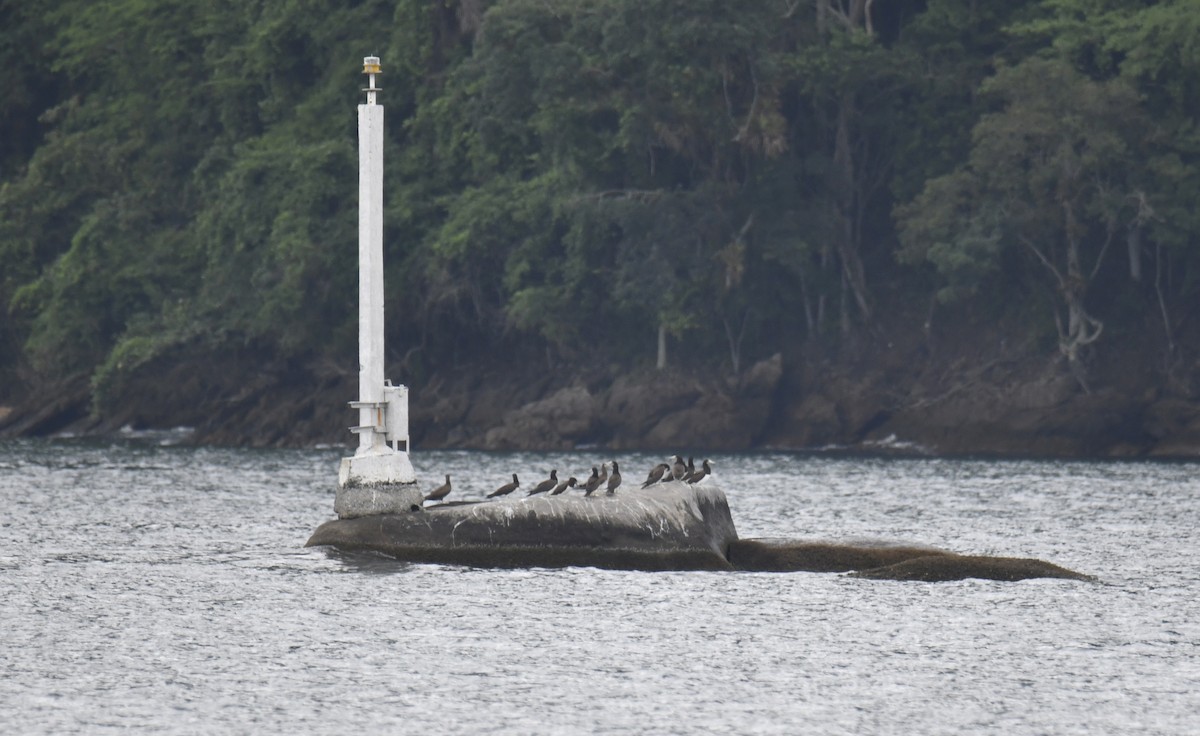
(890, 445)
(891, 442)
(161, 437)
(329, 446)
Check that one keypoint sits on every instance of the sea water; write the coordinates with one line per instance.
(162, 589)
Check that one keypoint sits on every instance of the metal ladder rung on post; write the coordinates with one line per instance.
(377, 406)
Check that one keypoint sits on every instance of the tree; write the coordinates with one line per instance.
(626, 136)
(855, 79)
(1152, 47)
(1053, 172)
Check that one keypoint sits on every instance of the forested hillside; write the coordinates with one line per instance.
(611, 184)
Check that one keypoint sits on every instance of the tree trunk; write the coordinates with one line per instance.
(857, 13)
(844, 305)
(1082, 328)
(662, 347)
(735, 342)
(843, 161)
(1162, 305)
(809, 317)
(1133, 240)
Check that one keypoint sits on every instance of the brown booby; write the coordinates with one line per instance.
(614, 480)
(437, 494)
(690, 470)
(678, 469)
(656, 474)
(506, 489)
(568, 483)
(546, 484)
(593, 482)
(704, 470)
(603, 472)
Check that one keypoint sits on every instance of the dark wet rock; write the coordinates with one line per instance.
(812, 421)
(636, 403)
(439, 415)
(646, 410)
(1053, 390)
(673, 526)
(1174, 424)
(762, 380)
(944, 567)
(1045, 417)
(801, 555)
(492, 400)
(557, 422)
(940, 392)
(61, 407)
(862, 413)
(713, 421)
(824, 405)
(729, 417)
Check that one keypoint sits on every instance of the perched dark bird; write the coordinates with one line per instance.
(603, 472)
(656, 474)
(690, 470)
(506, 489)
(546, 484)
(704, 470)
(593, 482)
(614, 480)
(437, 494)
(568, 483)
(678, 469)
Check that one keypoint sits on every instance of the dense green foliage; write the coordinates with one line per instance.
(578, 173)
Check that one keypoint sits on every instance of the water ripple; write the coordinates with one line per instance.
(166, 589)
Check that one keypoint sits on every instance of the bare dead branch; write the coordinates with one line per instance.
(753, 107)
(1108, 238)
(1085, 338)
(641, 195)
(746, 227)
(1045, 261)
(1162, 302)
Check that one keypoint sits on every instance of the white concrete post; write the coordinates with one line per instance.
(379, 479)
(370, 268)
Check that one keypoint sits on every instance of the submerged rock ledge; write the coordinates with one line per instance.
(671, 526)
(885, 560)
(943, 568)
(804, 555)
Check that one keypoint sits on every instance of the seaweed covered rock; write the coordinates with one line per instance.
(812, 555)
(885, 560)
(943, 568)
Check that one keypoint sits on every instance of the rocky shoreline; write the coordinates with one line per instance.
(1020, 407)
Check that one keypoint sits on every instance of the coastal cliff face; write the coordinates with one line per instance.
(894, 403)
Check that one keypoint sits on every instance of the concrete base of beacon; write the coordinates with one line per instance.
(382, 483)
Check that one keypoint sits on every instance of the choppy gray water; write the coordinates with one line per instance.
(167, 590)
